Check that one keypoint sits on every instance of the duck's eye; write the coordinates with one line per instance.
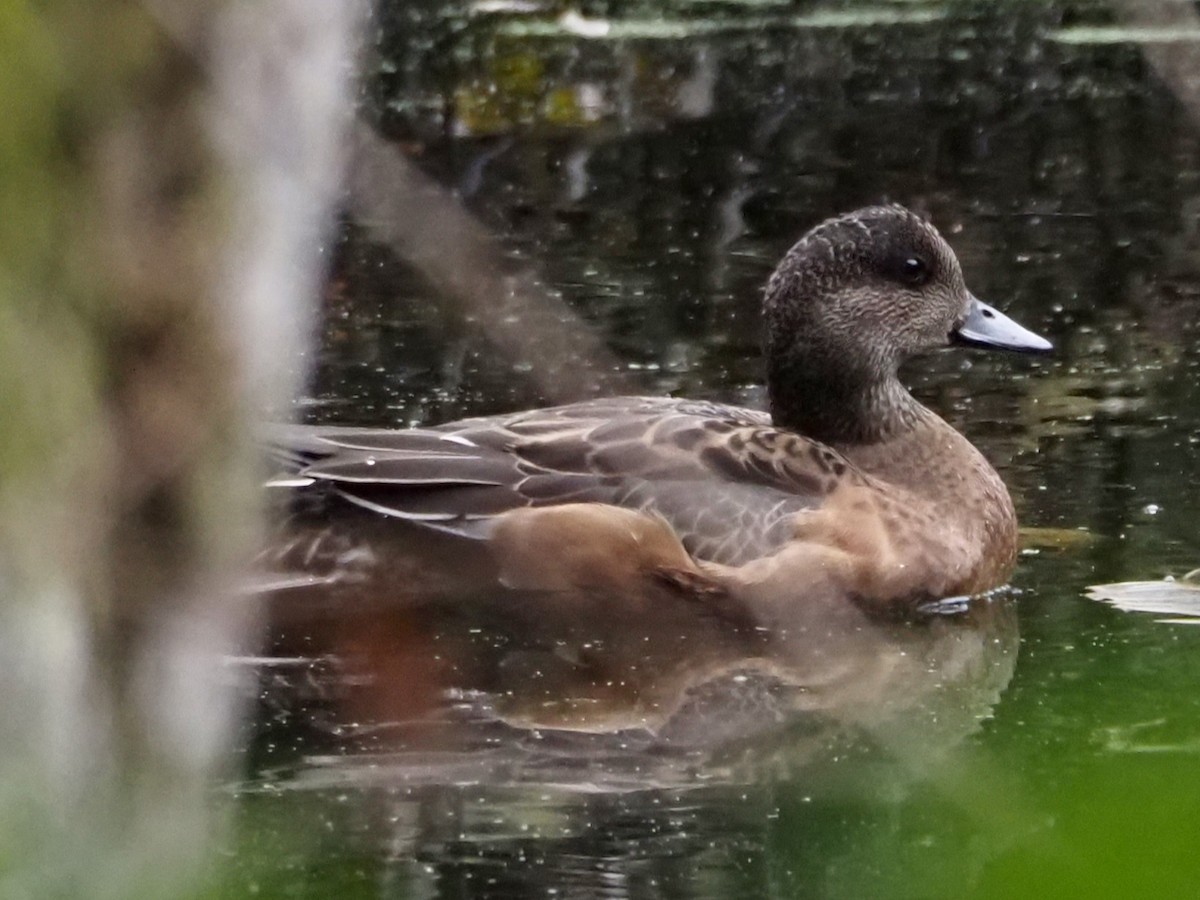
(914, 271)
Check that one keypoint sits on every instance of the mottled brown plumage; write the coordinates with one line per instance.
(848, 488)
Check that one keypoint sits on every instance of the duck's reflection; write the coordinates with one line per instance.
(451, 648)
(526, 738)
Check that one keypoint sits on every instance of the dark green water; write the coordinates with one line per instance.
(652, 178)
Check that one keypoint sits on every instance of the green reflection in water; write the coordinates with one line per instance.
(1066, 178)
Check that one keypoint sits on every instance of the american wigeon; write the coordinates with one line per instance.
(846, 489)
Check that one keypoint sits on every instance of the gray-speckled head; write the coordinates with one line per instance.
(854, 298)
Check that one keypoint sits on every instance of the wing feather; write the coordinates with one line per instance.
(726, 480)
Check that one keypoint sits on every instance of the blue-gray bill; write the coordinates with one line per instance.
(986, 326)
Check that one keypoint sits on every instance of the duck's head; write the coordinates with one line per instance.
(853, 299)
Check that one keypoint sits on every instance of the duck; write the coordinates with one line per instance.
(845, 492)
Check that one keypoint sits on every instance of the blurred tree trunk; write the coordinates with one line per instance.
(165, 168)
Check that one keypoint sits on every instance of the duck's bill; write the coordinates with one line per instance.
(988, 327)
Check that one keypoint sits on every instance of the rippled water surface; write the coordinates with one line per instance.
(645, 170)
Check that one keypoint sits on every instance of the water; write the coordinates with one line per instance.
(652, 176)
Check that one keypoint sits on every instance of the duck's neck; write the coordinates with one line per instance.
(846, 411)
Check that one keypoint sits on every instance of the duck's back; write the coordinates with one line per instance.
(723, 477)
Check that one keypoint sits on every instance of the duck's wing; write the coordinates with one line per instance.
(723, 477)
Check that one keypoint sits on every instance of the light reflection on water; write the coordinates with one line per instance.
(1065, 176)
